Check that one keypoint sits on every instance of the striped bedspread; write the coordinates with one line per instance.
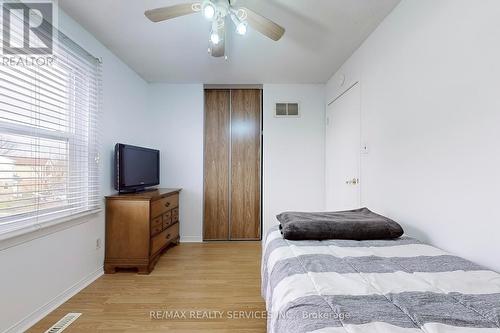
(381, 286)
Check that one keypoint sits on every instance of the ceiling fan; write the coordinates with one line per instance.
(217, 11)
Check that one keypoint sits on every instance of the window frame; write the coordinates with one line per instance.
(32, 224)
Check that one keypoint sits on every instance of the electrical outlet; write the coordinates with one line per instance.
(98, 243)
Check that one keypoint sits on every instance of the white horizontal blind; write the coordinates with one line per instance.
(49, 138)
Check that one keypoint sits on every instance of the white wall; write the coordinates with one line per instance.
(177, 112)
(40, 273)
(293, 149)
(430, 116)
(294, 173)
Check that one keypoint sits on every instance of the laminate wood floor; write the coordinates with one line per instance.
(194, 279)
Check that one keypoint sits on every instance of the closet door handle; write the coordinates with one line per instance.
(354, 181)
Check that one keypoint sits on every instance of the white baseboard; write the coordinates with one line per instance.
(191, 239)
(50, 306)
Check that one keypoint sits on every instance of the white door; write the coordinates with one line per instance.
(343, 148)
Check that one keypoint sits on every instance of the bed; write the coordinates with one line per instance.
(386, 286)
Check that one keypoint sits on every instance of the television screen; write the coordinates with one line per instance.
(136, 167)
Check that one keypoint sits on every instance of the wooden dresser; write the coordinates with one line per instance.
(139, 227)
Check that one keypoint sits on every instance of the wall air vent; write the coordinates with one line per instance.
(62, 324)
(287, 110)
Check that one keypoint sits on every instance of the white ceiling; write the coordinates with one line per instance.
(320, 36)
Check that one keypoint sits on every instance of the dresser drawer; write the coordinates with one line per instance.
(156, 225)
(167, 235)
(163, 205)
(172, 232)
(158, 242)
(167, 219)
(156, 230)
(175, 215)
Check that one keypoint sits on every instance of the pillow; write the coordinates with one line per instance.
(358, 224)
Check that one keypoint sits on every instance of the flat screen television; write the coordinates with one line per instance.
(136, 168)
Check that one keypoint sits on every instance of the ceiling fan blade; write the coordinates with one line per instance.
(263, 25)
(219, 49)
(167, 13)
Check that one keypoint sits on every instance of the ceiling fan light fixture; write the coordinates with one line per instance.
(215, 38)
(215, 34)
(241, 28)
(241, 25)
(208, 10)
(217, 12)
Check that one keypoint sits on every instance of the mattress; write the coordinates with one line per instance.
(386, 286)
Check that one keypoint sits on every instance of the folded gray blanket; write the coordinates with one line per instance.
(358, 224)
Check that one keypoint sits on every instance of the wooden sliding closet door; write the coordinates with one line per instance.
(245, 164)
(216, 173)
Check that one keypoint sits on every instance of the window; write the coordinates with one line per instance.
(48, 138)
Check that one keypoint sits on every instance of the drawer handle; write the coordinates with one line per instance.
(167, 204)
(168, 236)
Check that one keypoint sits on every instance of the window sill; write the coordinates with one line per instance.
(20, 236)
